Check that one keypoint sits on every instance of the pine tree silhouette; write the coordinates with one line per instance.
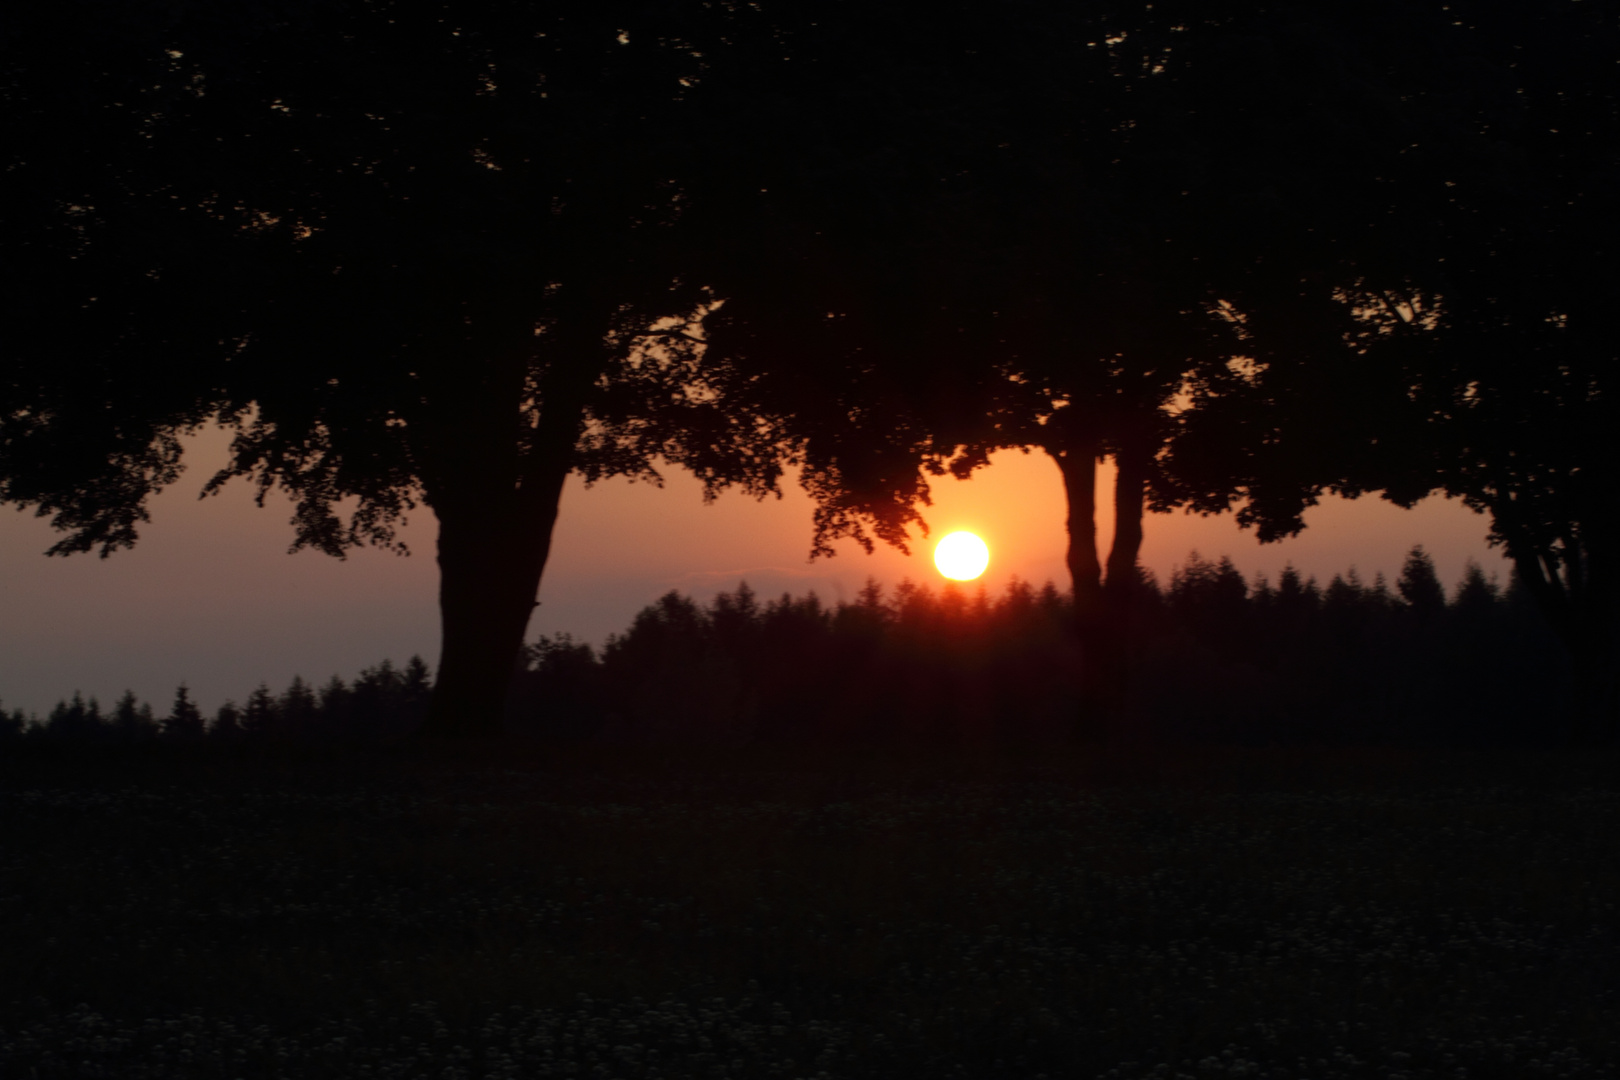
(1420, 586)
(185, 721)
(227, 725)
(1476, 595)
(132, 720)
(297, 710)
(12, 725)
(260, 716)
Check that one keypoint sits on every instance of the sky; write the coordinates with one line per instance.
(210, 596)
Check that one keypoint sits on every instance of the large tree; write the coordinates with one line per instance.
(1515, 367)
(1034, 235)
(414, 253)
(1464, 346)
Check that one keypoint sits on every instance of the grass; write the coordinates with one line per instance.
(530, 913)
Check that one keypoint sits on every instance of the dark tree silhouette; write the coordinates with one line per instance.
(75, 720)
(1475, 592)
(1420, 586)
(821, 233)
(412, 253)
(1521, 376)
(450, 255)
(185, 721)
(132, 720)
(113, 320)
(259, 717)
(1220, 660)
(296, 710)
(1036, 232)
(227, 723)
(1471, 350)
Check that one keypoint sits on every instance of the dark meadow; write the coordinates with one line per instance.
(445, 256)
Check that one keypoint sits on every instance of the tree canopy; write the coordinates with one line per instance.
(432, 250)
(447, 255)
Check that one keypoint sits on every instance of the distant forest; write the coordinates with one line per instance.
(1212, 658)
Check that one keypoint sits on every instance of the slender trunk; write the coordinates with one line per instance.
(1130, 489)
(1078, 464)
(1113, 647)
(1077, 461)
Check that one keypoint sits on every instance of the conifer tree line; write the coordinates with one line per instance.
(438, 257)
(382, 702)
(1216, 659)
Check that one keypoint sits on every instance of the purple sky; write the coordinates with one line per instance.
(211, 598)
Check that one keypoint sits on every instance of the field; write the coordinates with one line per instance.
(534, 913)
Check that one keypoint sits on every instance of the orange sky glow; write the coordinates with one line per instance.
(210, 596)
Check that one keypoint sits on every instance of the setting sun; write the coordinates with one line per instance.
(961, 556)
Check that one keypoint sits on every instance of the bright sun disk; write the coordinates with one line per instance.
(961, 556)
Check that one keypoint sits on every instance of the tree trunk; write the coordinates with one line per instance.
(492, 552)
(1078, 464)
(1112, 651)
(1130, 490)
(1077, 461)
(495, 480)
(1576, 603)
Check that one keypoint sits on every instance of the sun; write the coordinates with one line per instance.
(961, 556)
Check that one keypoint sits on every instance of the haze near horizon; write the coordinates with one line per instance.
(210, 597)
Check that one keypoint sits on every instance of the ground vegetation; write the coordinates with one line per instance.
(1298, 915)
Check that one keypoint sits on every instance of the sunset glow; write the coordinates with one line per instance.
(961, 556)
